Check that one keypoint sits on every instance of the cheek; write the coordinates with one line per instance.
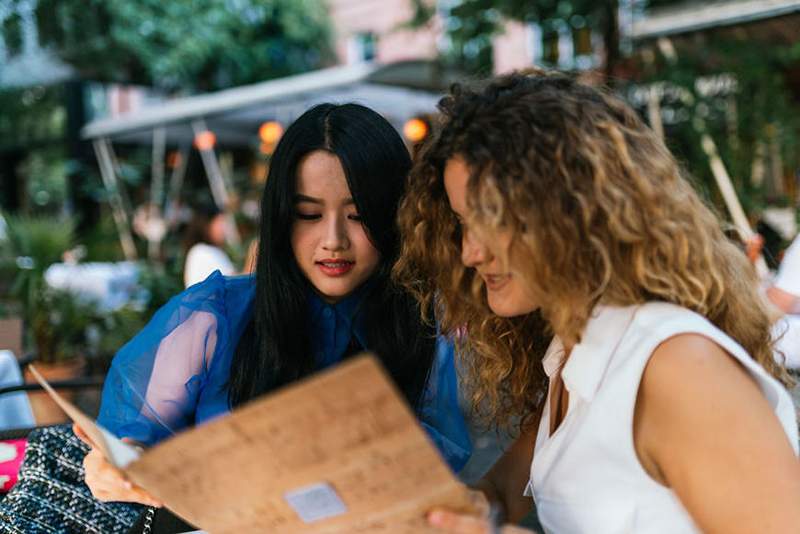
(302, 241)
(369, 255)
(522, 298)
(499, 244)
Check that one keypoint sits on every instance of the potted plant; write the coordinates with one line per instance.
(55, 321)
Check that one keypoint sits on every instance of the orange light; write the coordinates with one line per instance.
(174, 159)
(205, 140)
(415, 130)
(270, 132)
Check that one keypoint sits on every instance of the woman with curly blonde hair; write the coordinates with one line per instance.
(544, 208)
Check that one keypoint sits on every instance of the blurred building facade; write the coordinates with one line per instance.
(375, 30)
(378, 30)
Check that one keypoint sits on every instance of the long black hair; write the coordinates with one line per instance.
(274, 348)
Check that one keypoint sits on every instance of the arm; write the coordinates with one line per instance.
(703, 428)
(783, 300)
(106, 482)
(147, 396)
(153, 385)
(502, 486)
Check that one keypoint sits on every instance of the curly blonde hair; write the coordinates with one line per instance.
(600, 212)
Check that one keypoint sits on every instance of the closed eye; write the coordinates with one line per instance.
(308, 216)
(355, 217)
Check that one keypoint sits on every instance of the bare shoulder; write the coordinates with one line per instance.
(693, 362)
(692, 393)
(703, 427)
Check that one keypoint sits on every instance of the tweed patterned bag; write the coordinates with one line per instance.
(51, 497)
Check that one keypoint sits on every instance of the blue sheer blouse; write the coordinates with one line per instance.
(173, 374)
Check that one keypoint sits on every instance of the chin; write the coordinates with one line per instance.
(502, 309)
(509, 307)
(507, 313)
(333, 293)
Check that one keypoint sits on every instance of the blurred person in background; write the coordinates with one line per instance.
(784, 294)
(777, 293)
(785, 290)
(203, 245)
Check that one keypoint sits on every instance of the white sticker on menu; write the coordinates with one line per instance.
(315, 502)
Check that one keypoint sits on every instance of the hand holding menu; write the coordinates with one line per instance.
(339, 452)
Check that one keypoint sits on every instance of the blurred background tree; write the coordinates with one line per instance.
(48, 178)
(736, 82)
(185, 46)
(741, 94)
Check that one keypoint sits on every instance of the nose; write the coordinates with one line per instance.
(335, 237)
(473, 252)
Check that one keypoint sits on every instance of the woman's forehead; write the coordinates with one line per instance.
(320, 175)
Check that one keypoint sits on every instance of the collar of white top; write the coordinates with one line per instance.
(586, 365)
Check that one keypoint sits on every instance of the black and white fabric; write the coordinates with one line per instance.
(51, 496)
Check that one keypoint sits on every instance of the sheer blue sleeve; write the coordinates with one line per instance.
(153, 386)
(440, 413)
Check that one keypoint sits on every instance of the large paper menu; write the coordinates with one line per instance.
(339, 452)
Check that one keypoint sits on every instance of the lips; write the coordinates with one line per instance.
(495, 282)
(335, 267)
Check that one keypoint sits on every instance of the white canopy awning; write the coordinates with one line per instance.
(397, 91)
(704, 15)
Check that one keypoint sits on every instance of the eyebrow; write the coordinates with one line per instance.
(304, 198)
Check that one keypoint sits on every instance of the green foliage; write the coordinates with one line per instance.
(32, 115)
(759, 110)
(471, 24)
(46, 178)
(115, 329)
(159, 284)
(470, 28)
(59, 325)
(102, 240)
(108, 332)
(55, 320)
(196, 45)
(33, 243)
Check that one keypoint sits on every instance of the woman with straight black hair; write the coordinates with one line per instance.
(273, 350)
(321, 293)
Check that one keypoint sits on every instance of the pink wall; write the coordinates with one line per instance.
(381, 17)
(512, 49)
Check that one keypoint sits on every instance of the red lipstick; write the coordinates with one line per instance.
(335, 267)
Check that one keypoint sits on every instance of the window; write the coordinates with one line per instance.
(562, 45)
(550, 48)
(361, 47)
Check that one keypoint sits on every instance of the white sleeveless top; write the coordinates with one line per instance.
(586, 477)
